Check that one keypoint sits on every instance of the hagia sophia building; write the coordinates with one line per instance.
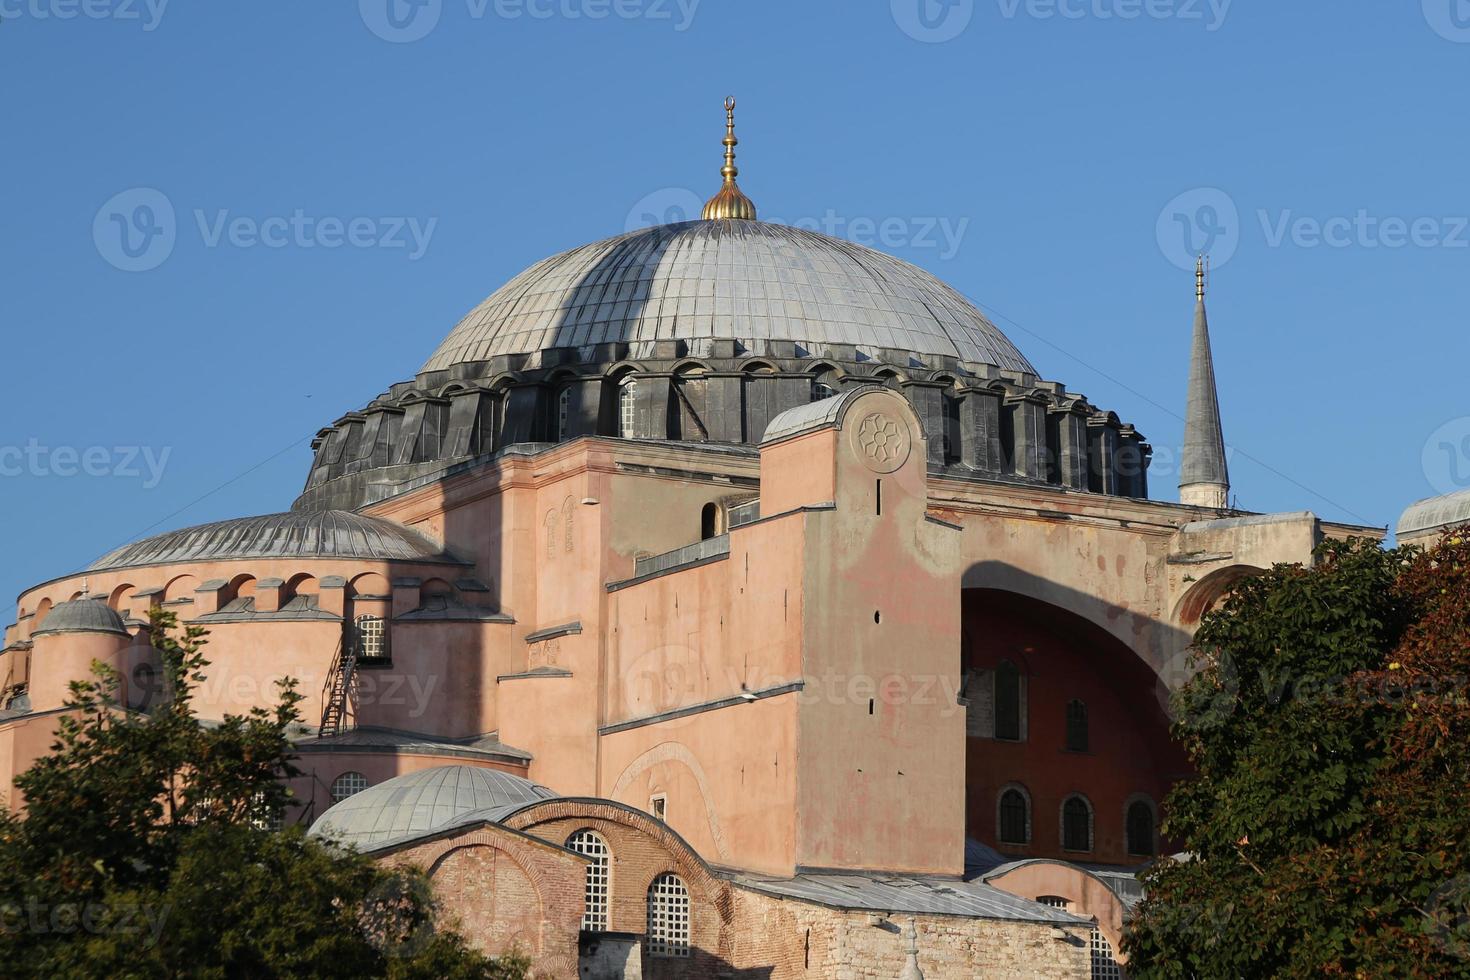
(718, 600)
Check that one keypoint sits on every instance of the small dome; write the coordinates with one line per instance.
(419, 803)
(82, 616)
(1434, 514)
(299, 534)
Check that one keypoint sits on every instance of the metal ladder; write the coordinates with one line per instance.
(339, 687)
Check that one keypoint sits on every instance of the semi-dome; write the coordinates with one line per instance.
(82, 616)
(1426, 518)
(746, 281)
(426, 801)
(298, 534)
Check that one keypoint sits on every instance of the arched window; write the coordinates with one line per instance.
(668, 916)
(628, 409)
(709, 522)
(1104, 965)
(824, 386)
(588, 842)
(1140, 827)
(1007, 702)
(1076, 824)
(1015, 817)
(348, 784)
(1076, 726)
(563, 412)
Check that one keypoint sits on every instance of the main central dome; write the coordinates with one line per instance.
(748, 281)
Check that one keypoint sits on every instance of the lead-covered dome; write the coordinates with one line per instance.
(298, 534)
(747, 281)
(426, 801)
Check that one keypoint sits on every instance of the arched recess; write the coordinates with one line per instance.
(43, 609)
(1206, 593)
(370, 584)
(120, 595)
(1062, 658)
(678, 754)
(300, 585)
(180, 587)
(240, 587)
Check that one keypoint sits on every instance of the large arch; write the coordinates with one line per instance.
(1019, 733)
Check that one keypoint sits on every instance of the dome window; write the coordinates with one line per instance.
(628, 409)
(348, 784)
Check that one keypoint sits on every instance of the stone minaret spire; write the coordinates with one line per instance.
(1204, 480)
(911, 969)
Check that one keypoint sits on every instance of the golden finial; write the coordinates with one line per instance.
(730, 202)
(1199, 279)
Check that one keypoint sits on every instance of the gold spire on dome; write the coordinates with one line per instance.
(1199, 279)
(730, 202)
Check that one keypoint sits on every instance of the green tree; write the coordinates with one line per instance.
(1326, 827)
(143, 852)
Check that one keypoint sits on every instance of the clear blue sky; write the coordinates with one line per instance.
(1048, 136)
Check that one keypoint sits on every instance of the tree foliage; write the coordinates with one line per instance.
(1327, 828)
(143, 851)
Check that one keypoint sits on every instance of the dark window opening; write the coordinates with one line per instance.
(1140, 828)
(1076, 726)
(1007, 702)
(1076, 825)
(1014, 818)
(709, 522)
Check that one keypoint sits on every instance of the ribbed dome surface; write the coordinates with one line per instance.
(733, 280)
(422, 802)
(298, 534)
(82, 616)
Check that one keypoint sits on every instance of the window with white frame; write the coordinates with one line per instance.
(348, 784)
(1104, 964)
(668, 916)
(628, 409)
(372, 639)
(591, 844)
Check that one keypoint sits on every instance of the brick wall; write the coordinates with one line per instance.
(504, 892)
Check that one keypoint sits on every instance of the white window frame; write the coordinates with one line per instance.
(669, 917)
(598, 891)
(348, 784)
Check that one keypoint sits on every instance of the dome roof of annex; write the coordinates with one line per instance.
(82, 616)
(419, 803)
(1435, 513)
(298, 534)
(748, 281)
